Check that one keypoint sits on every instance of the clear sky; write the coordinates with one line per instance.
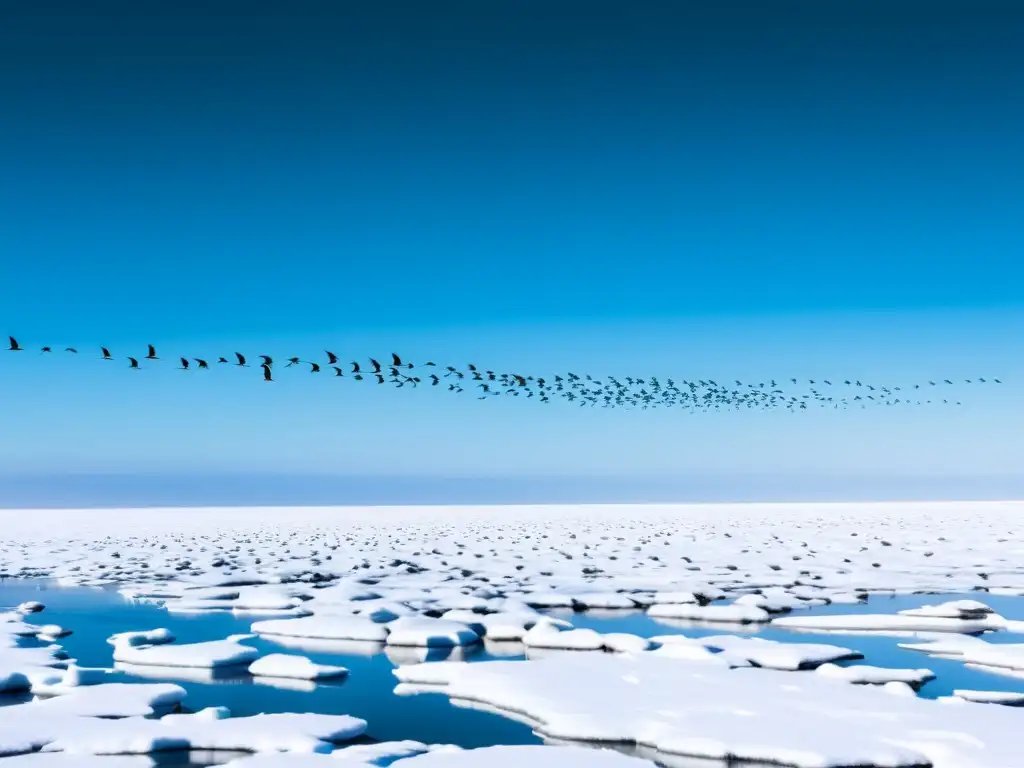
(733, 189)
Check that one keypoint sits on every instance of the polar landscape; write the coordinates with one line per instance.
(756, 640)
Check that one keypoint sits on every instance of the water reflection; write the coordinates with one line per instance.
(405, 654)
(321, 645)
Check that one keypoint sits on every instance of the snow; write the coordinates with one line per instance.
(429, 633)
(881, 623)
(291, 666)
(371, 580)
(213, 653)
(144, 637)
(773, 654)
(108, 700)
(741, 714)
(260, 733)
(865, 674)
(954, 609)
(991, 697)
(323, 627)
(416, 755)
(729, 614)
(520, 756)
(61, 760)
(609, 600)
(548, 634)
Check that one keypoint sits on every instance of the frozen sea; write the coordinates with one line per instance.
(509, 627)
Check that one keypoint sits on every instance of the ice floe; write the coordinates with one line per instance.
(212, 653)
(773, 654)
(728, 614)
(426, 632)
(865, 674)
(324, 628)
(415, 755)
(425, 583)
(740, 714)
(881, 623)
(299, 667)
(1007, 698)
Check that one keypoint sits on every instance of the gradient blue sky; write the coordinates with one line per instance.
(725, 189)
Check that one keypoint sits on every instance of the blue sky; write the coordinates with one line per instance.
(743, 189)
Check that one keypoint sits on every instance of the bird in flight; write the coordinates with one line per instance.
(201, 363)
(152, 353)
(267, 360)
(267, 376)
(241, 360)
(106, 353)
(331, 357)
(184, 364)
(133, 363)
(15, 347)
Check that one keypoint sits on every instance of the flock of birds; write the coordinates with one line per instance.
(642, 392)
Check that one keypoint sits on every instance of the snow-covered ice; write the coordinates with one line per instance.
(802, 719)
(866, 674)
(427, 581)
(417, 755)
(324, 628)
(212, 653)
(289, 665)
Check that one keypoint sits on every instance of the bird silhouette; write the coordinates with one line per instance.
(14, 347)
(106, 353)
(72, 350)
(376, 365)
(267, 360)
(184, 364)
(201, 363)
(152, 353)
(292, 361)
(44, 350)
(314, 367)
(331, 357)
(241, 360)
(222, 360)
(133, 363)
(267, 376)
(337, 371)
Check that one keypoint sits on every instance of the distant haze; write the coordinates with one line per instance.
(152, 490)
